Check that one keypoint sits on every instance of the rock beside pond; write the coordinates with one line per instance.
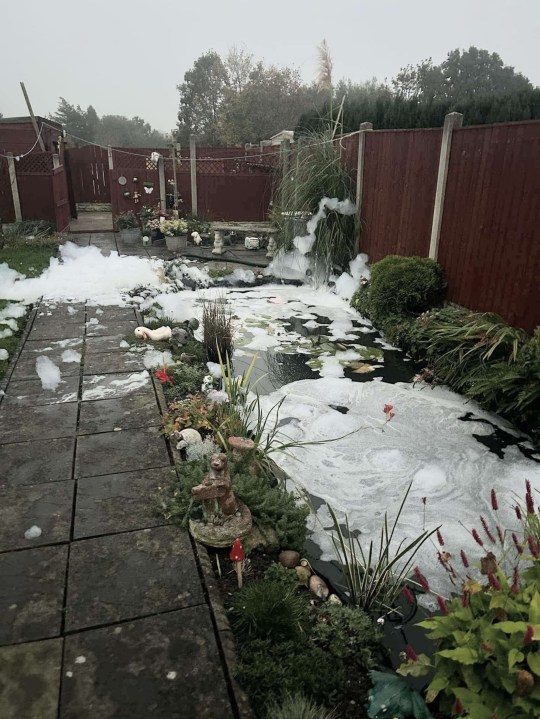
(289, 558)
(334, 599)
(319, 587)
(266, 539)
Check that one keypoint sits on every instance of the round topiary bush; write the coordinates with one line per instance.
(401, 286)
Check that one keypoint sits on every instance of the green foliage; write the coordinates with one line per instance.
(488, 639)
(349, 635)
(197, 223)
(268, 671)
(271, 505)
(126, 221)
(279, 574)
(400, 286)
(29, 228)
(391, 696)
(316, 171)
(27, 258)
(268, 610)
(297, 706)
(218, 328)
(375, 576)
(187, 379)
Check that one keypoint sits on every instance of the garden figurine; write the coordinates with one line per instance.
(237, 557)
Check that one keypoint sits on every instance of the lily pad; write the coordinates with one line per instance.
(360, 367)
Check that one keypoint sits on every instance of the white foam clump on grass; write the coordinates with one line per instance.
(153, 358)
(12, 311)
(5, 333)
(3, 354)
(368, 472)
(82, 273)
(48, 373)
(71, 356)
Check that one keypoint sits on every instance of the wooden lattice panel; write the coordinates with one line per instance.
(38, 163)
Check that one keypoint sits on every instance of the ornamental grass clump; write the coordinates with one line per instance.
(487, 661)
(218, 328)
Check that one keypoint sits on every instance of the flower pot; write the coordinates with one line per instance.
(130, 236)
(175, 244)
(156, 235)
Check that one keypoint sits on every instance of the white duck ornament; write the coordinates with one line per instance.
(157, 335)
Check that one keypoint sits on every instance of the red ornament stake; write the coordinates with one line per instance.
(237, 556)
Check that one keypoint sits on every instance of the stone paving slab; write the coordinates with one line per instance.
(32, 593)
(120, 502)
(130, 412)
(30, 680)
(107, 329)
(111, 314)
(48, 328)
(45, 422)
(164, 667)
(26, 369)
(48, 506)
(105, 344)
(30, 392)
(124, 451)
(114, 362)
(123, 576)
(65, 313)
(26, 463)
(53, 349)
(113, 385)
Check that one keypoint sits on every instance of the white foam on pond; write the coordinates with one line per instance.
(48, 373)
(368, 472)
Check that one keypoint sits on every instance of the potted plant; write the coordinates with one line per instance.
(127, 226)
(175, 232)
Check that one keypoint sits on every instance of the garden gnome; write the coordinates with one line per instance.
(218, 243)
(237, 557)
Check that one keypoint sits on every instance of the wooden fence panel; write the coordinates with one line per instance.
(490, 235)
(89, 174)
(61, 199)
(400, 177)
(7, 211)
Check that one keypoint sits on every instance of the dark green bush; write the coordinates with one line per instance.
(187, 380)
(268, 610)
(268, 671)
(400, 286)
(349, 635)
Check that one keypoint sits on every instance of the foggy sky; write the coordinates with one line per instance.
(126, 57)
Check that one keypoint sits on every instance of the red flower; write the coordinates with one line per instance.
(518, 511)
(516, 542)
(388, 408)
(476, 538)
(422, 581)
(493, 581)
(465, 599)
(486, 530)
(528, 636)
(408, 594)
(515, 581)
(529, 502)
(458, 707)
(413, 656)
(163, 377)
(442, 605)
(494, 503)
(440, 538)
(533, 546)
(464, 559)
(500, 534)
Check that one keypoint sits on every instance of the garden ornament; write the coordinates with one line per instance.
(157, 335)
(224, 517)
(218, 243)
(197, 239)
(237, 557)
(186, 437)
(179, 337)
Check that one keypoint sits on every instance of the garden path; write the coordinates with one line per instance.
(110, 611)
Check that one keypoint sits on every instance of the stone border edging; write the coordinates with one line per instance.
(224, 634)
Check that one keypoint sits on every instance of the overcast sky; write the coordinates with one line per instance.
(127, 57)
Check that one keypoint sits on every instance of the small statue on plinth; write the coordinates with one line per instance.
(224, 517)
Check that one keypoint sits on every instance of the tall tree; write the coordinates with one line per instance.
(75, 120)
(239, 65)
(120, 131)
(201, 95)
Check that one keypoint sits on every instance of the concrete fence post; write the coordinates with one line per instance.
(364, 127)
(14, 187)
(193, 168)
(452, 121)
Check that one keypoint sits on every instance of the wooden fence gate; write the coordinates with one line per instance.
(88, 174)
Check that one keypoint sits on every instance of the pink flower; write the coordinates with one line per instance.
(529, 502)
(517, 544)
(442, 605)
(500, 534)
(465, 599)
(515, 581)
(486, 530)
(440, 538)
(533, 546)
(422, 581)
(476, 538)
(387, 409)
(493, 581)
(413, 656)
(464, 559)
(529, 634)
(517, 511)
(408, 594)
(494, 503)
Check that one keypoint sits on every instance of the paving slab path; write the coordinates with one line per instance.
(109, 612)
